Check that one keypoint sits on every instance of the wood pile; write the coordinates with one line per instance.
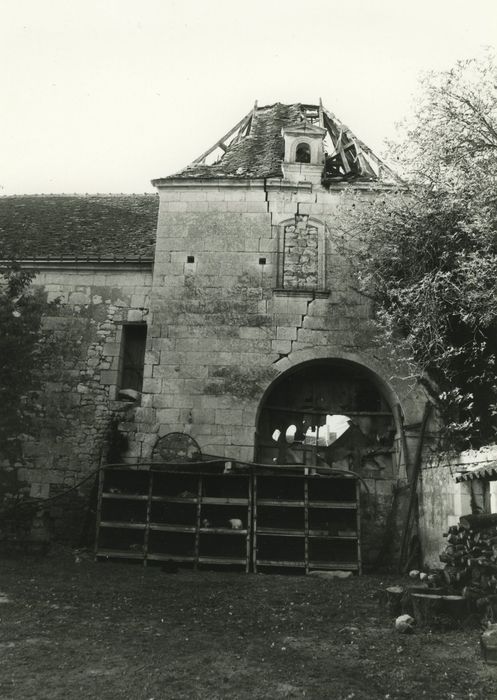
(465, 589)
(470, 559)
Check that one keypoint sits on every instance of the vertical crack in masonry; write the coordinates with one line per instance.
(302, 319)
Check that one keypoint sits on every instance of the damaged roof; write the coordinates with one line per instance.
(257, 154)
(254, 148)
(78, 226)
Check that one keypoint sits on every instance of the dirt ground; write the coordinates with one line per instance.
(110, 631)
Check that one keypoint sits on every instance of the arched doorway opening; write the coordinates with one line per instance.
(326, 412)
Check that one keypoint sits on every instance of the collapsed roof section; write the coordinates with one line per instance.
(254, 148)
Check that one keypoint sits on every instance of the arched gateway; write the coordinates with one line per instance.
(338, 413)
(327, 412)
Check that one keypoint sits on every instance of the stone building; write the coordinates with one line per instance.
(223, 309)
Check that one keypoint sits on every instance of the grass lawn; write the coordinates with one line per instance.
(110, 631)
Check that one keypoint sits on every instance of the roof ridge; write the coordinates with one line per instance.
(83, 195)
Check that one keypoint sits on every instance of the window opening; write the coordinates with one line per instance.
(134, 337)
(303, 153)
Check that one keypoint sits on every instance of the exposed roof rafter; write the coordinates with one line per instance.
(239, 130)
(254, 148)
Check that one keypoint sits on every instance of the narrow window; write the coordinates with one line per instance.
(303, 153)
(133, 355)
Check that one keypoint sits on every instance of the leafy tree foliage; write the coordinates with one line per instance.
(428, 253)
(25, 349)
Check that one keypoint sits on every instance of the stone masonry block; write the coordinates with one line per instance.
(168, 415)
(152, 357)
(229, 416)
(134, 316)
(170, 195)
(308, 337)
(177, 206)
(39, 490)
(108, 377)
(215, 195)
(286, 333)
(316, 323)
(152, 386)
(310, 208)
(255, 333)
(112, 349)
(237, 206)
(217, 206)
(197, 206)
(298, 305)
(161, 401)
(243, 436)
(257, 207)
(144, 415)
(193, 371)
(267, 245)
(215, 402)
(319, 307)
(236, 195)
(255, 196)
(193, 195)
(282, 347)
(179, 401)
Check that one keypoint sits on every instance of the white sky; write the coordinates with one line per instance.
(103, 95)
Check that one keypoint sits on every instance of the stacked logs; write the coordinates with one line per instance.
(470, 559)
(465, 589)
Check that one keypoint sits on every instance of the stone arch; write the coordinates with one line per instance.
(315, 354)
(315, 149)
(316, 391)
(303, 153)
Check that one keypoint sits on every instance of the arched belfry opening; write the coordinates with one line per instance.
(303, 153)
(332, 413)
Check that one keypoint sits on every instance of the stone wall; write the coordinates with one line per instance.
(442, 500)
(300, 265)
(223, 327)
(79, 406)
(248, 284)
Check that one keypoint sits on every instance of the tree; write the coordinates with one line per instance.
(427, 255)
(25, 349)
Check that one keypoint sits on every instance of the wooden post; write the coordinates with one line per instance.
(403, 440)
(414, 483)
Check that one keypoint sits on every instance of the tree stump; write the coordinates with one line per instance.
(455, 607)
(431, 609)
(394, 596)
(426, 607)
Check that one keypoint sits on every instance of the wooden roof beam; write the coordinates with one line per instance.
(381, 165)
(220, 143)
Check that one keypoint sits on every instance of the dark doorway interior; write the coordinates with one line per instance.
(324, 413)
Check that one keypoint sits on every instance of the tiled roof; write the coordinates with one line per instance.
(254, 148)
(78, 226)
(257, 155)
